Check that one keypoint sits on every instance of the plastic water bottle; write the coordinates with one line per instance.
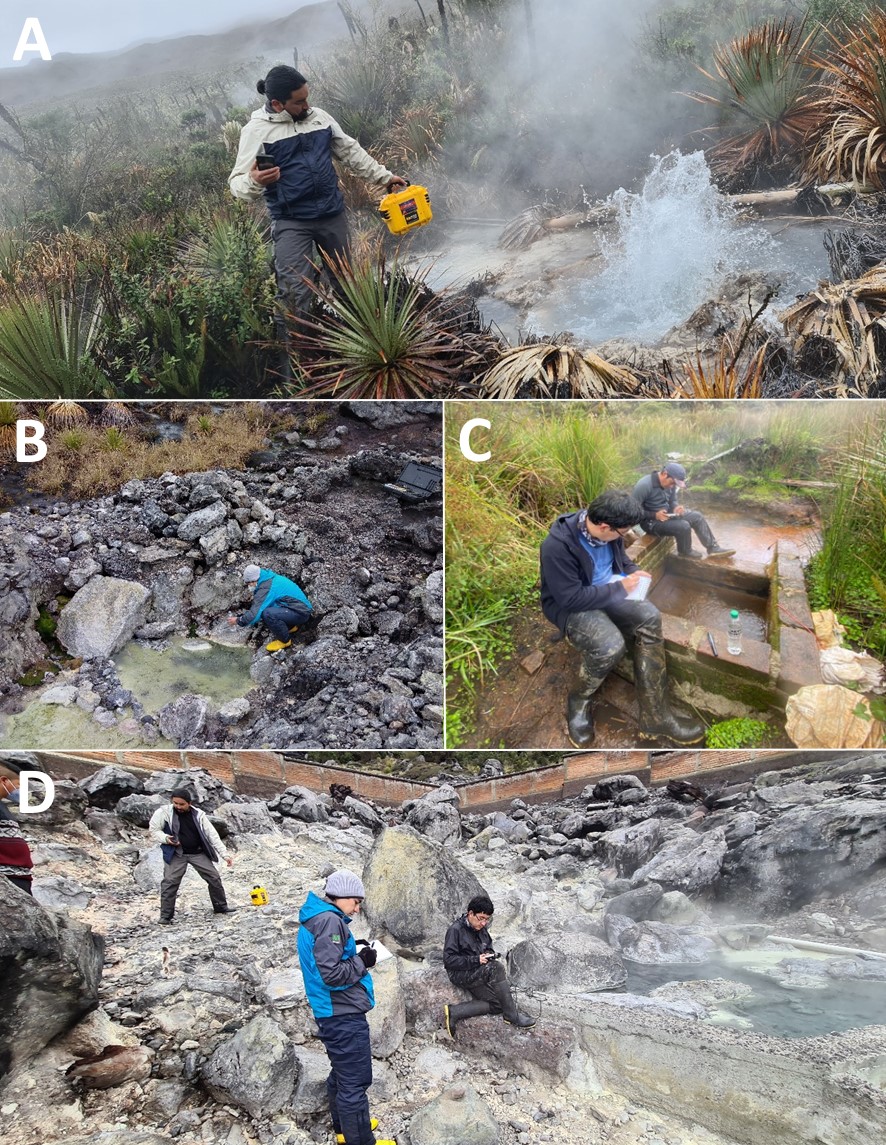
(733, 634)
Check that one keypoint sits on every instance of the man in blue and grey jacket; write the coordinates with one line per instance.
(339, 992)
(278, 603)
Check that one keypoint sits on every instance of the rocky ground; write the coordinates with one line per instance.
(162, 558)
(202, 1032)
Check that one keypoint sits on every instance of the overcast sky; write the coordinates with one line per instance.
(103, 26)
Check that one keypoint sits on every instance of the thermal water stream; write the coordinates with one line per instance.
(768, 1007)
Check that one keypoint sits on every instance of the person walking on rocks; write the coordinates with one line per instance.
(471, 962)
(188, 839)
(278, 603)
(286, 154)
(587, 579)
(15, 854)
(664, 517)
(339, 990)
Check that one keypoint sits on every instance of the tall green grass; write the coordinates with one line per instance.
(848, 573)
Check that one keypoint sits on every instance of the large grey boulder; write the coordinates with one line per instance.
(102, 616)
(203, 521)
(69, 805)
(105, 787)
(60, 893)
(256, 1069)
(656, 943)
(627, 848)
(458, 1115)
(50, 969)
(436, 814)
(689, 863)
(807, 853)
(247, 818)
(387, 1021)
(184, 719)
(300, 803)
(574, 964)
(414, 887)
(209, 791)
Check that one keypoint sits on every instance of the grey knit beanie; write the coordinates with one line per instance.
(344, 885)
(251, 572)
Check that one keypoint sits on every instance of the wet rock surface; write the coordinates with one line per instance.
(204, 1033)
(163, 557)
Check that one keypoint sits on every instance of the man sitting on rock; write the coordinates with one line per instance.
(471, 963)
(15, 854)
(188, 839)
(663, 517)
(278, 603)
(339, 991)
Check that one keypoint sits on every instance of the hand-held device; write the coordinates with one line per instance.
(265, 162)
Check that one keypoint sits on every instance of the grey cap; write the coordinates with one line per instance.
(251, 572)
(344, 885)
(677, 472)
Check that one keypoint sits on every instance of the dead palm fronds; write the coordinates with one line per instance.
(526, 227)
(726, 376)
(854, 105)
(763, 92)
(843, 326)
(544, 370)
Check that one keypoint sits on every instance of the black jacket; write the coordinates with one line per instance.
(463, 946)
(653, 498)
(567, 572)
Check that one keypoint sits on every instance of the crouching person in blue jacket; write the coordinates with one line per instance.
(339, 991)
(278, 603)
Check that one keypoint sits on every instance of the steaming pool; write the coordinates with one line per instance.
(672, 246)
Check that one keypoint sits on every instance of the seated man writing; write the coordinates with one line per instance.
(587, 584)
(664, 517)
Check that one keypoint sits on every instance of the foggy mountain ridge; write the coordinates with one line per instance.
(307, 28)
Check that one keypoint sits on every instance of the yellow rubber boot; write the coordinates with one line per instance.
(276, 645)
(373, 1125)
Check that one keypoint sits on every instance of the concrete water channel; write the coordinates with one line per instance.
(523, 704)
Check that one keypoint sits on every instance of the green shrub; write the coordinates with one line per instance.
(739, 733)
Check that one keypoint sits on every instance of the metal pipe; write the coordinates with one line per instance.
(825, 947)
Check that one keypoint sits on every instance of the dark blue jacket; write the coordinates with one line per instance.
(336, 981)
(567, 573)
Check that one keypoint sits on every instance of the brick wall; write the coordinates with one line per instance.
(266, 773)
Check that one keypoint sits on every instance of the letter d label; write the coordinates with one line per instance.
(24, 782)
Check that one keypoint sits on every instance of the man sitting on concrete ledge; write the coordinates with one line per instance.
(471, 963)
(663, 517)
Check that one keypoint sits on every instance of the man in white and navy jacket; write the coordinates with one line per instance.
(301, 189)
(188, 839)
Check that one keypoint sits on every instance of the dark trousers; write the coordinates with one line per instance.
(23, 884)
(682, 528)
(482, 983)
(174, 872)
(600, 635)
(278, 620)
(294, 243)
(346, 1041)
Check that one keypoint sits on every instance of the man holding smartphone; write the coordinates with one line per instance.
(188, 839)
(286, 154)
(586, 579)
(664, 517)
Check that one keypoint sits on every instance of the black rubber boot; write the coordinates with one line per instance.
(657, 720)
(579, 711)
(456, 1013)
(509, 1011)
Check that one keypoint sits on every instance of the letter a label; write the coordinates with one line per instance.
(26, 44)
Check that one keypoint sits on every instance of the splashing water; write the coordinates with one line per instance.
(676, 242)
